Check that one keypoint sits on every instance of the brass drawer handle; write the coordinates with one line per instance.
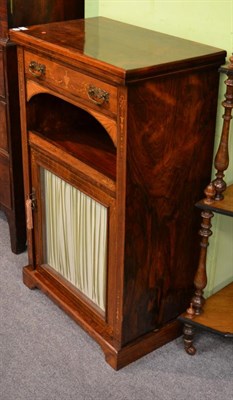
(37, 69)
(97, 95)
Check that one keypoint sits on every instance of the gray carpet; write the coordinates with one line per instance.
(44, 355)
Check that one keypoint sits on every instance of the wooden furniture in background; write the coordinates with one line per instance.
(14, 13)
(124, 117)
(215, 313)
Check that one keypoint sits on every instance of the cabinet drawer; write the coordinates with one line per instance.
(2, 85)
(3, 127)
(5, 191)
(69, 81)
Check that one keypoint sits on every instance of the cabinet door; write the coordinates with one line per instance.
(74, 232)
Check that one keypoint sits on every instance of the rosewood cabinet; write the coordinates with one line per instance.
(118, 126)
(14, 13)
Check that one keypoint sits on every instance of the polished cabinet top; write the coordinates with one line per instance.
(121, 49)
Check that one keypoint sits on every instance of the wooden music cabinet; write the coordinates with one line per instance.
(117, 133)
(15, 13)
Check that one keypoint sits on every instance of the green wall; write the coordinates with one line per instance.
(91, 8)
(209, 22)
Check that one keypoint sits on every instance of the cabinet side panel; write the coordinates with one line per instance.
(14, 130)
(2, 85)
(3, 18)
(5, 193)
(171, 125)
(3, 125)
(30, 12)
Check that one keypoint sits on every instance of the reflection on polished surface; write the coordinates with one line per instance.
(119, 44)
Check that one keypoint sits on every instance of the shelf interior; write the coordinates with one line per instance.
(73, 130)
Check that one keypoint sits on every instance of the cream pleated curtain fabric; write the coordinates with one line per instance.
(76, 237)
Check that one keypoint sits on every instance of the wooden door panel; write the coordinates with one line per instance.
(39, 163)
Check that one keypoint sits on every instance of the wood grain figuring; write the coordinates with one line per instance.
(146, 157)
(163, 159)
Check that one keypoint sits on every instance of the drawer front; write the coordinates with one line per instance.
(71, 82)
(3, 127)
(5, 191)
(2, 84)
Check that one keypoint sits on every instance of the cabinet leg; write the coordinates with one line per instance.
(18, 240)
(188, 332)
(17, 230)
(200, 279)
(28, 277)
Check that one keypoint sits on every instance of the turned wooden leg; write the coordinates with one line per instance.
(213, 192)
(221, 161)
(200, 279)
(188, 332)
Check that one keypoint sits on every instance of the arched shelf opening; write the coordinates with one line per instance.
(74, 130)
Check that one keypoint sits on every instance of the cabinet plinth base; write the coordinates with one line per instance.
(144, 345)
(115, 356)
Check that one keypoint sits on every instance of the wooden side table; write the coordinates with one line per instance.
(216, 313)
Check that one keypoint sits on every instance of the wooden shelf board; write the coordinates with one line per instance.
(39, 143)
(224, 206)
(217, 313)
